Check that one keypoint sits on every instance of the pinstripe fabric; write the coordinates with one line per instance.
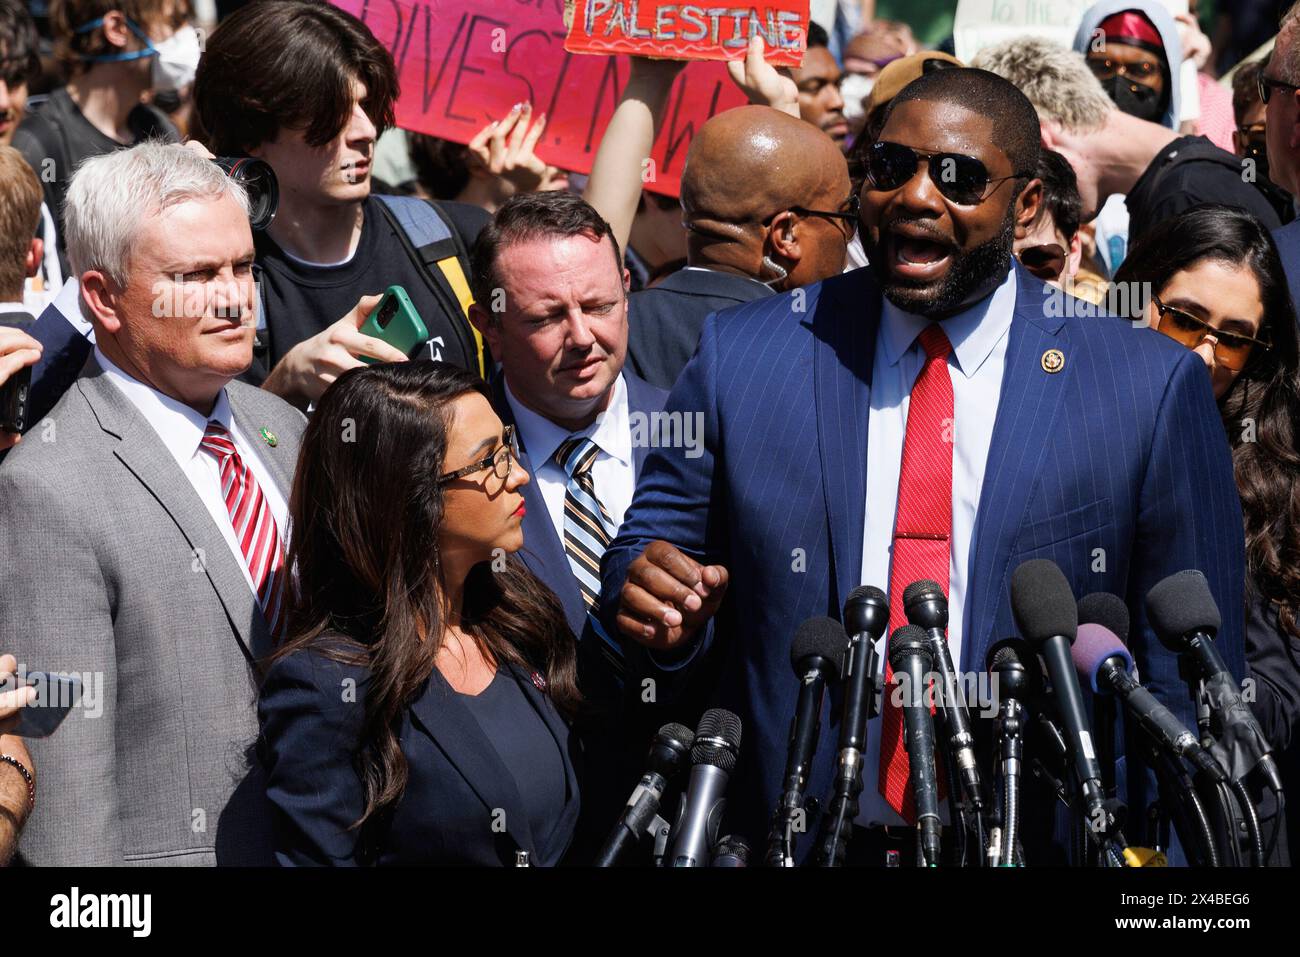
(1115, 467)
(922, 539)
(254, 525)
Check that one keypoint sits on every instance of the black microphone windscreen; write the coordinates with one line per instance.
(1182, 604)
(1042, 602)
(906, 641)
(866, 609)
(1109, 611)
(920, 589)
(823, 637)
(677, 734)
(717, 739)
(1008, 651)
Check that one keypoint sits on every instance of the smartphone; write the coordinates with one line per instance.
(16, 389)
(395, 321)
(56, 695)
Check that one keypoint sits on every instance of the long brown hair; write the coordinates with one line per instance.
(366, 573)
(1261, 412)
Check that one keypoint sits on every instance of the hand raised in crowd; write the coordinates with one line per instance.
(1196, 45)
(17, 349)
(12, 698)
(307, 370)
(668, 596)
(505, 148)
(763, 83)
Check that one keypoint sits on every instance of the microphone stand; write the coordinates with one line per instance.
(842, 811)
(1011, 749)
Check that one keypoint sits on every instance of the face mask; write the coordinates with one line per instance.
(855, 88)
(1135, 99)
(176, 58)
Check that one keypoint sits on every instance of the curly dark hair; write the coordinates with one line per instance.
(366, 572)
(1266, 459)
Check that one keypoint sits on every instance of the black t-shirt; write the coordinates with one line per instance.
(59, 131)
(1188, 172)
(302, 300)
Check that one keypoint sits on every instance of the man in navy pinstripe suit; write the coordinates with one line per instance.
(1074, 437)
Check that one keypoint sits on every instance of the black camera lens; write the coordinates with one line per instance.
(258, 180)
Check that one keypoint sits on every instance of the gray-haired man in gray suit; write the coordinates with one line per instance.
(143, 526)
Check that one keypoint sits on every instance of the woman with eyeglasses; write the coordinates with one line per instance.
(419, 710)
(1217, 286)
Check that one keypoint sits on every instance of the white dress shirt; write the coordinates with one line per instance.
(613, 473)
(979, 340)
(181, 430)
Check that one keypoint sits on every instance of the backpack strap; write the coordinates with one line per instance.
(436, 245)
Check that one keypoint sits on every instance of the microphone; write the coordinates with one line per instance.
(732, 851)
(1186, 619)
(713, 758)
(909, 656)
(815, 654)
(668, 754)
(866, 616)
(1015, 667)
(1047, 616)
(1110, 611)
(1102, 660)
(927, 608)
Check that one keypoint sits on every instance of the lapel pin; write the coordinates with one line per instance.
(539, 681)
(1053, 361)
(272, 441)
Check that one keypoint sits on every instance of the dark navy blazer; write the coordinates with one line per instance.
(461, 806)
(65, 352)
(1288, 247)
(1116, 467)
(543, 550)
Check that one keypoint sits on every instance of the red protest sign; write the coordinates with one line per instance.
(463, 64)
(685, 31)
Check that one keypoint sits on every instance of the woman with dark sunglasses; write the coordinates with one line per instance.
(1217, 286)
(418, 712)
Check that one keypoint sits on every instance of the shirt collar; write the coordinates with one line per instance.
(973, 332)
(179, 426)
(541, 437)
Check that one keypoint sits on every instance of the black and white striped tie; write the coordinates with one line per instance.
(586, 523)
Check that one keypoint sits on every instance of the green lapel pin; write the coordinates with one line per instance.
(271, 440)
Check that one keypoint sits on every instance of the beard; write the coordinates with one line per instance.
(970, 275)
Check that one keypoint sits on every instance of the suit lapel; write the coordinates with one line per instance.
(446, 719)
(145, 456)
(844, 335)
(543, 551)
(566, 742)
(1028, 407)
(277, 458)
(643, 399)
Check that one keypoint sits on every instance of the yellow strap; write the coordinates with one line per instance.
(455, 276)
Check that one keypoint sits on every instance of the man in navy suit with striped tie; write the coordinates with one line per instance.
(551, 295)
(940, 414)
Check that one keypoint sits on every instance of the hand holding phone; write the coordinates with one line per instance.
(36, 705)
(396, 322)
(18, 353)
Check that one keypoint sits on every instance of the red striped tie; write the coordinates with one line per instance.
(254, 525)
(922, 537)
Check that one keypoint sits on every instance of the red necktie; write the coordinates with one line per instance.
(250, 516)
(922, 536)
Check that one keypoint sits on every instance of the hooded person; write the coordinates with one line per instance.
(1134, 50)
